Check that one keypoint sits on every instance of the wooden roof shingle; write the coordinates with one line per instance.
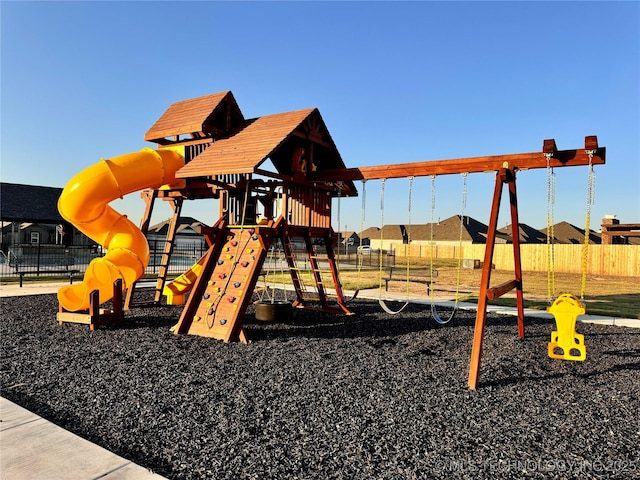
(247, 149)
(193, 115)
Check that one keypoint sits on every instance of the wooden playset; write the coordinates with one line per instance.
(275, 177)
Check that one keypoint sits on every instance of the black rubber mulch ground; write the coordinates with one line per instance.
(371, 396)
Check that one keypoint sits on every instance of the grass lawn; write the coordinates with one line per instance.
(607, 296)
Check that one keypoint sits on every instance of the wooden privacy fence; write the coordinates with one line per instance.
(614, 260)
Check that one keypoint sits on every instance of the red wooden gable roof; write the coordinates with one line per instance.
(248, 149)
(188, 116)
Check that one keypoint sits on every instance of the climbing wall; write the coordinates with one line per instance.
(223, 297)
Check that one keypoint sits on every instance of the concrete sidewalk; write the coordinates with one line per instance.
(36, 449)
(30, 288)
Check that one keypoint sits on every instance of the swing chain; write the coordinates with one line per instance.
(551, 199)
(591, 180)
(380, 259)
(431, 241)
(408, 230)
(359, 254)
(463, 209)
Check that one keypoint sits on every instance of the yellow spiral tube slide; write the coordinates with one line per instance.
(84, 202)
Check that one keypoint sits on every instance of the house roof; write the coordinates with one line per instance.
(186, 226)
(209, 115)
(29, 203)
(526, 234)
(444, 231)
(565, 232)
(448, 230)
(371, 232)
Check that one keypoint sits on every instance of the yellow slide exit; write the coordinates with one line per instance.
(84, 203)
(176, 290)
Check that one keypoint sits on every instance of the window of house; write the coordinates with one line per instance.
(35, 237)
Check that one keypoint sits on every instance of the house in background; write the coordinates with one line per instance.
(445, 232)
(526, 234)
(565, 232)
(616, 233)
(188, 235)
(29, 215)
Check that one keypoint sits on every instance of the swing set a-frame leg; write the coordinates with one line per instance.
(486, 293)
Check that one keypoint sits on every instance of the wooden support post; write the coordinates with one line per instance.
(335, 274)
(505, 175)
(517, 262)
(96, 317)
(149, 197)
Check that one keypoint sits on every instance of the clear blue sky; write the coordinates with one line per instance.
(394, 82)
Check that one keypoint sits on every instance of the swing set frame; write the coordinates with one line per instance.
(505, 168)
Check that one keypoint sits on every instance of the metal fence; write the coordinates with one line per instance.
(41, 260)
(182, 258)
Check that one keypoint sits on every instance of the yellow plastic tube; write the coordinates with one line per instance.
(175, 290)
(84, 203)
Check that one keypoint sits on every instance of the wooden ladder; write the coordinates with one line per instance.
(302, 292)
(321, 292)
(149, 197)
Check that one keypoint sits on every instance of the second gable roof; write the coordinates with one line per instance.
(194, 115)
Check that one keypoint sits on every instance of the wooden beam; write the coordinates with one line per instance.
(500, 290)
(518, 161)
